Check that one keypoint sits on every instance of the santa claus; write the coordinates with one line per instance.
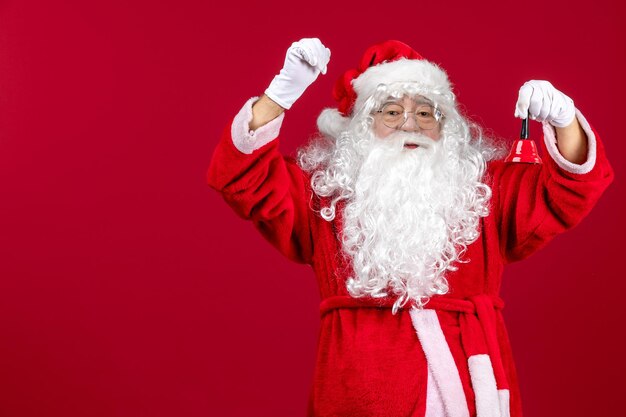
(407, 215)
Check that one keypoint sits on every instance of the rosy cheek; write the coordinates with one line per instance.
(433, 134)
(381, 131)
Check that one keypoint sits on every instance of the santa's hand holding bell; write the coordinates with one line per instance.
(541, 101)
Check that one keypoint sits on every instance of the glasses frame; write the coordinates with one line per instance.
(438, 115)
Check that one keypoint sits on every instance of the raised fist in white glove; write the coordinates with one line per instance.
(540, 101)
(304, 61)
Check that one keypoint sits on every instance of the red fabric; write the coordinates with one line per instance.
(387, 51)
(477, 322)
(369, 362)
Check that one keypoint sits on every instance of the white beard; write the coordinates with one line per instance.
(411, 217)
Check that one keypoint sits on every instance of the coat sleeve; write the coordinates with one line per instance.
(261, 185)
(535, 202)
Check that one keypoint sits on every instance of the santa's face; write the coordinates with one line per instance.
(409, 114)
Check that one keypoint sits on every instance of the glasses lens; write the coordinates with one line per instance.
(425, 116)
(393, 115)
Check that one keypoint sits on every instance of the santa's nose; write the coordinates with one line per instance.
(410, 124)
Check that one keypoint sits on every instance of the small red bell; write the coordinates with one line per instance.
(524, 149)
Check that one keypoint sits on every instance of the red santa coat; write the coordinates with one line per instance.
(369, 361)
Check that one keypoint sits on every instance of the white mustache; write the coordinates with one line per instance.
(407, 138)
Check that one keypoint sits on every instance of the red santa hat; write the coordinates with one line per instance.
(386, 63)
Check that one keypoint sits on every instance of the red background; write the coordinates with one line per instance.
(128, 288)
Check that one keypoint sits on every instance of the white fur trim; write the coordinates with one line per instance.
(431, 76)
(549, 135)
(440, 361)
(434, 402)
(505, 407)
(248, 141)
(484, 383)
(331, 123)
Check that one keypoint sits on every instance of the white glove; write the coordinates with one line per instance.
(304, 61)
(544, 103)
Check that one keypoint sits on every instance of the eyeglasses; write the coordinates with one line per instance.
(395, 116)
